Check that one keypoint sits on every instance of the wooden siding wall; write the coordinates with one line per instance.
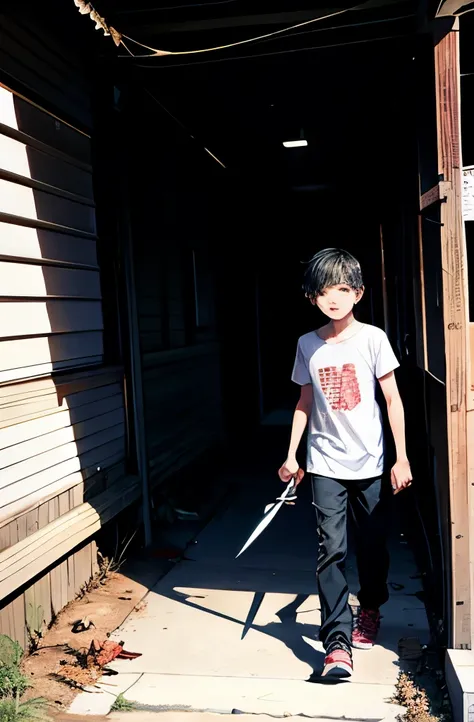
(43, 59)
(54, 437)
(173, 241)
(62, 420)
(52, 591)
(49, 278)
(51, 317)
(442, 332)
(412, 268)
(182, 407)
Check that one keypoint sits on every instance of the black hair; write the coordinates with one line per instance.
(331, 267)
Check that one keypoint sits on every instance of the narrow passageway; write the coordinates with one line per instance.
(224, 634)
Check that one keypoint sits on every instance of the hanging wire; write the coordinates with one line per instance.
(175, 7)
(184, 128)
(87, 8)
(319, 30)
(266, 55)
(346, 27)
(156, 52)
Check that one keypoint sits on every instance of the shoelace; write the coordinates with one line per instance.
(338, 644)
(368, 622)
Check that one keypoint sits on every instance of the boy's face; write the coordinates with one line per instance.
(337, 302)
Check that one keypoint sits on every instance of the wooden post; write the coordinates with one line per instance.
(456, 325)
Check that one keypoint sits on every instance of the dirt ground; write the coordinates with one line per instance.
(107, 607)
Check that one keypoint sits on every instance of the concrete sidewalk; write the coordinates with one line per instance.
(220, 635)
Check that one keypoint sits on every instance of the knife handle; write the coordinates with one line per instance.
(292, 496)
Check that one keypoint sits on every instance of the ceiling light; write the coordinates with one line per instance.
(295, 143)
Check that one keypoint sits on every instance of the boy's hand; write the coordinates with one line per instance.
(291, 470)
(401, 477)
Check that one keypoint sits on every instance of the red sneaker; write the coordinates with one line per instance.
(338, 661)
(366, 629)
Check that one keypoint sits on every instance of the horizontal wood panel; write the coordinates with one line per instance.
(76, 448)
(113, 450)
(16, 414)
(21, 201)
(153, 363)
(44, 183)
(21, 280)
(59, 396)
(68, 384)
(183, 407)
(53, 440)
(35, 243)
(21, 410)
(64, 476)
(81, 486)
(27, 559)
(38, 318)
(36, 122)
(19, 158)
(57, 53)
(28, 58)
(45, 349)
(150, 342)
(16, 435)
(150, 324)
(170, 460)
(46, 369)
(18, 113)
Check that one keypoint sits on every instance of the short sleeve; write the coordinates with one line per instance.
(300, 373)
(385, 360)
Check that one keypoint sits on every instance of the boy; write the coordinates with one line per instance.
(337, 368)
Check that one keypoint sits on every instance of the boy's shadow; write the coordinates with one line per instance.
(292, 633)
(288, 630)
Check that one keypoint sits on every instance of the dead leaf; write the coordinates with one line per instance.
(129, 655)
(116, 36)
(100, 23)
(84, 7)
(108, 652)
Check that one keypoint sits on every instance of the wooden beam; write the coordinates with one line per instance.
(470, 381)
(22, 562)
(456, 327)
(437, 194)
(450, 7)
(423, 295)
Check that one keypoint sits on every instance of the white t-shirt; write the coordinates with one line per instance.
(345, 435)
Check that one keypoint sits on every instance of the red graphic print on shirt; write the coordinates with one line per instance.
(340, 386)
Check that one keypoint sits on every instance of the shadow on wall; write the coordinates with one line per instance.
(62, 438)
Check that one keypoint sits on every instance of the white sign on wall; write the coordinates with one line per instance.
(468, 193)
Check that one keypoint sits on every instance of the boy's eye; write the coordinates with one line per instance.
(344, 290)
